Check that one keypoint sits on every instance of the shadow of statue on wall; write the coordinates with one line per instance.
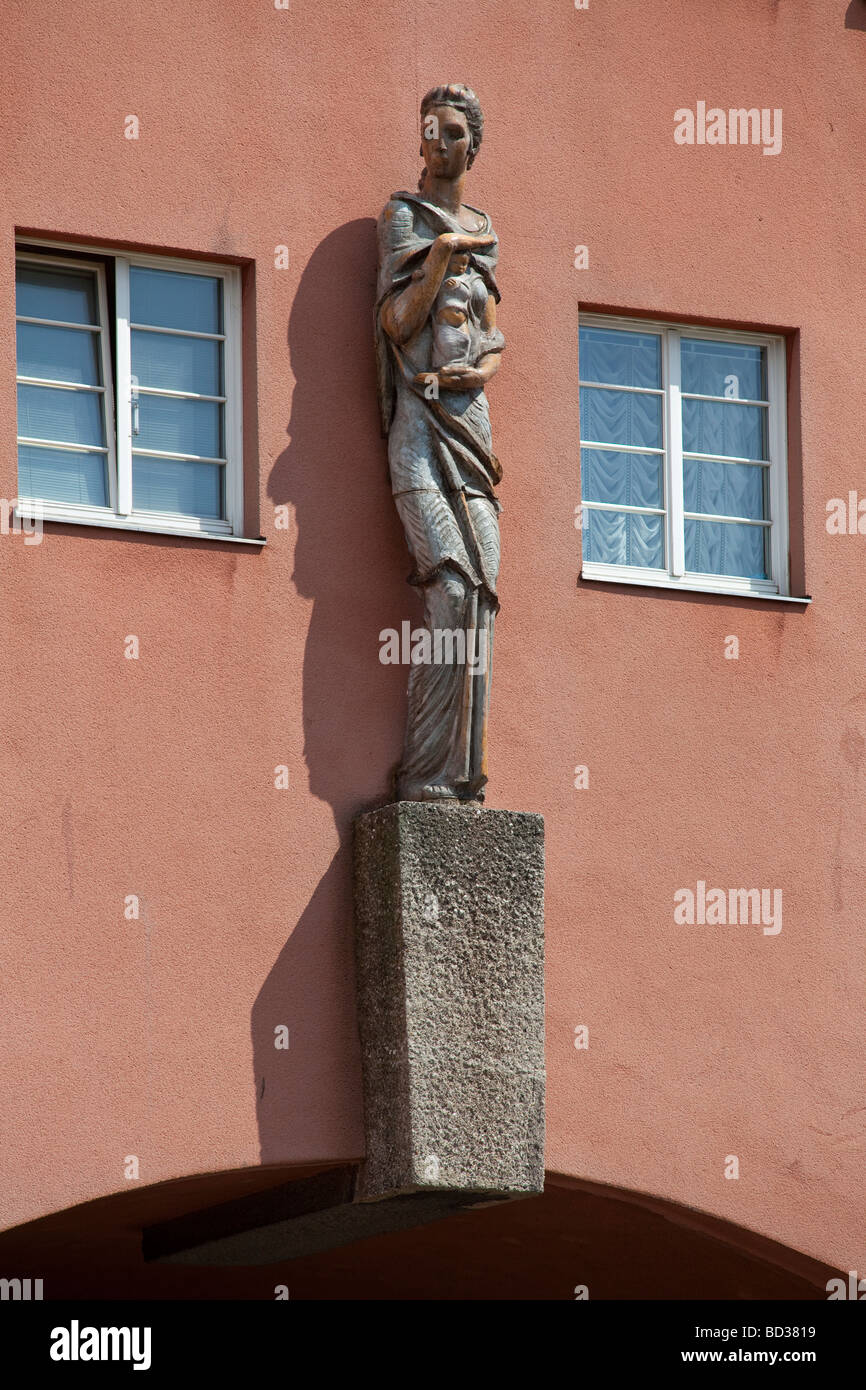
(350, 560)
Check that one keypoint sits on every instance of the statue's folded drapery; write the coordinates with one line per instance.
(443, 474)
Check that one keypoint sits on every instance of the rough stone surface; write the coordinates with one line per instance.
(449, 903)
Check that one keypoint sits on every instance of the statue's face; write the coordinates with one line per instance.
(445, 141)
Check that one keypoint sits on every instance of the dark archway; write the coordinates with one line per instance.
(619, 1244)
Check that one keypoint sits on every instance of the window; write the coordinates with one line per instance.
(683, 456)
(155, 443)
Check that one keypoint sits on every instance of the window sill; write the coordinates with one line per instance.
(597, 574)
(143, 525)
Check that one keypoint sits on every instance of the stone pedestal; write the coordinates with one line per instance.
(449, 904)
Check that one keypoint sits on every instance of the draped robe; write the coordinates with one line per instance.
(443, 474)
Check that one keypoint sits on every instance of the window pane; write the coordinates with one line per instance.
(634, 480)
(61, 475)
(59, 354)
(177, 364)
(69, 295)
(724, 489)
(182, 427)
(620, 417)
(71, 417)
(720, 547)
(169, 485)
(736, 370)
(714, 427)
(172, 299)
(620, 358)
(623, 538)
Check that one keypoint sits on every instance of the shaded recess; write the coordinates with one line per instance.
(621, 1245)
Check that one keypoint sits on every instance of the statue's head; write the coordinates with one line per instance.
(452, 124)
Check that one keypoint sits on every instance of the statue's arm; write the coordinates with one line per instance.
(489, 363)
(404, 314)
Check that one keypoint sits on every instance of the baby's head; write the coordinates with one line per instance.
(459, 263)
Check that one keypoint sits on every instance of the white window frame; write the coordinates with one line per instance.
(106, 390)
(120, 397)
(675, 576)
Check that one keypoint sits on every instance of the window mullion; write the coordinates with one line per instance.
(107, 391)
(124, 389)
(777, 482)
(674, 455)
(232, 386)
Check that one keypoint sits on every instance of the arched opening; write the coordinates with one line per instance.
(614, 1243)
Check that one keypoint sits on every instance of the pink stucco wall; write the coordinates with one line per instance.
(261, 127)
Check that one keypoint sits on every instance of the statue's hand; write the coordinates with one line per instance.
(464, 241)
(453, 377)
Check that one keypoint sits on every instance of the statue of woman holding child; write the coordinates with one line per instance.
(437, 347)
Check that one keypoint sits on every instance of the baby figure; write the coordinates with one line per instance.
(457, 314)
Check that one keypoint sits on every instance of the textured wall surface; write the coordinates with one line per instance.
(261, 127)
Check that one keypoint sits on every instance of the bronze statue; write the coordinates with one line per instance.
(437, 346)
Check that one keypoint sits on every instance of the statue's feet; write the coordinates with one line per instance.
(473, 791)
(426, 791)
(442, 791)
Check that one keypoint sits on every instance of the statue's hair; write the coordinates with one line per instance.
(462, 99)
